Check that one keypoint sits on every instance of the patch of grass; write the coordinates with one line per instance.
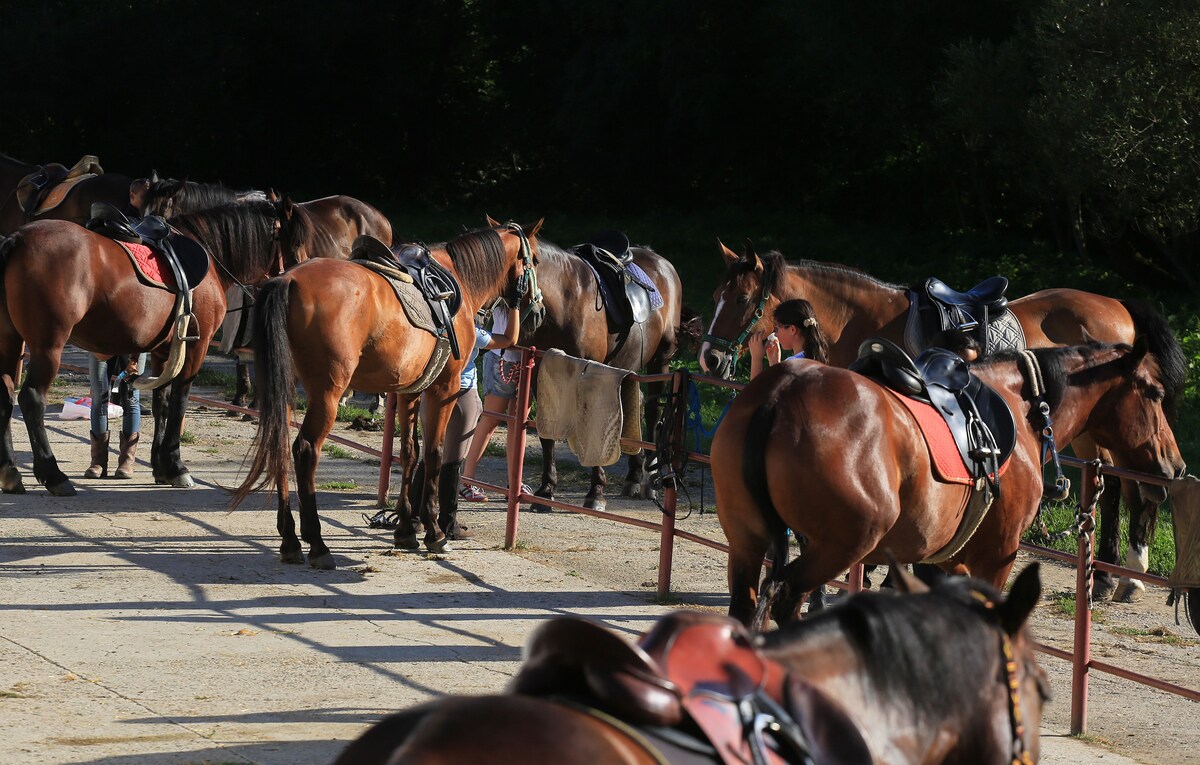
(668, 599)
(339, 452)
(339, 485)
(349, 413)
(1064, 604)
(495, 450)
(1060, 515)
(212, 378)
(1154, 635)
(187, 437)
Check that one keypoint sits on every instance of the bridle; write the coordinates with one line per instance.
(737, 345)
(1020, 755)
(527, 283)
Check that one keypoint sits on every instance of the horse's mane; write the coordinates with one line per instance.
(190, 196)
(775, 270)
(923, 649)
(241, 235)
(1172, 363)
(478, 256)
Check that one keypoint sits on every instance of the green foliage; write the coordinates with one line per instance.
(1060, 515)
(336, 451)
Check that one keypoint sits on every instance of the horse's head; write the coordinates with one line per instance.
(743, 299)
(156, 195)
(1130, 420)
(523, 291)
(293, 229)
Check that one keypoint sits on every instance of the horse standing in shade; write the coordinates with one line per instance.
(65, 284)
(320, 228)
(575, 321)
(833, 455)
(852, 306)
(334, 324)
(942, 676)
(76, 206)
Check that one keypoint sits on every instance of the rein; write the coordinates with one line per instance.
(1020, 756)
(1033, 372)
(736, 346)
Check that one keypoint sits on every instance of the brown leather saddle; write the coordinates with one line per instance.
(692, 674)
(47, 187)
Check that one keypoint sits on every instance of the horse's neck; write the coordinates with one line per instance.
(1070, 417)
(850, 308)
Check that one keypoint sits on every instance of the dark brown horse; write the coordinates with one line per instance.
(575, 321)
(333, 324)
(834, 456)
(65, 284)
(852, 306)
(76, 206)
(879, 679)
(320, 228)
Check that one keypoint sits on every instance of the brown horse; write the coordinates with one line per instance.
(834, 456)
(76, 205)
(334, 324)
(896, 679)
(320, 228)
(852, 306)
(65, 284)
(575, 321)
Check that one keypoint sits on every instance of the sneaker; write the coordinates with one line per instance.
(472, 494)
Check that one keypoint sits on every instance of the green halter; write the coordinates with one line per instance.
(737, 345)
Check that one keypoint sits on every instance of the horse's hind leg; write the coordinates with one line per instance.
(10, 371)
(595, 496)
(817, 565)
(43, 366)
(306, 451)
(1108, 543)
(549, 475)
(1143, 519)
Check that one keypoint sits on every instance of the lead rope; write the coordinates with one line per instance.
(1033, 372)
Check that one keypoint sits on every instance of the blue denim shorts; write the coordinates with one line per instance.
(492, 384)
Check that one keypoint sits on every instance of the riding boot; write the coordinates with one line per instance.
(448, 483)
(99, 467)
(128, 456)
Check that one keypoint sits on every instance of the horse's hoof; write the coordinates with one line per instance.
(291, 556)
(10, 480)
(323, 562)
(595, 503)
(634, 490)
(438, 545)
(181, 481)
(538, 507)
(63, 488)
(408, 542)
(1128, 592)
(1103, 589)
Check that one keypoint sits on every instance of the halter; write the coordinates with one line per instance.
(527, 283)
(1020, 756)
(737, 345)
(1033, 372)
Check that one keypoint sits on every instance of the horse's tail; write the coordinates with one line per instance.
(754, 475)
(1163, 343)
(276, 390)
(7, 244)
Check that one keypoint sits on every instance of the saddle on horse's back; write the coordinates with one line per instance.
(694, 680)
(47, 187)
(979, 419)
(186, 258)
(628, 293)
(981, 311)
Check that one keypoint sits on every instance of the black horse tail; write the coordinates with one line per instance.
(276, 388)
(754, 474)
(7, 243)
(1163, 343)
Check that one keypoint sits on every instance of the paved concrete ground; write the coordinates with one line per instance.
(148, 625)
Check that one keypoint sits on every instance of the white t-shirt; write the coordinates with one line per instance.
(499, 324)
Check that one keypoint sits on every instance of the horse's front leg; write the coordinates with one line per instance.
(43, 366)
(10, 374)
(595, 496)
(1108, 541)
(409, 498)
(1143, 520)
(436, 407)
(637, 480)
(306, 453)
(241, 386)
(549, 475)
(170, 469)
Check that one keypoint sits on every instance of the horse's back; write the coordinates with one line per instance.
(1059, 316)
(493, 729)
(346, 218)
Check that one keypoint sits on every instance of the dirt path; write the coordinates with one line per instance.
(147, 625)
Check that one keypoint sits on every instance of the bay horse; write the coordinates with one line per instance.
(896, 679)
(852, 306)
(320, 228)
(76, 207)
(65, 284)
(575, 321)
(832, 455)
(332, 324)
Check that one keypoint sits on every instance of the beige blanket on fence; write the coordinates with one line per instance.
(1185, 507)
(590, 405)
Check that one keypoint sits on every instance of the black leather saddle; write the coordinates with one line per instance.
(626, 295)
(983, 426)
(186, 257)
(941, 308)
(437, 285)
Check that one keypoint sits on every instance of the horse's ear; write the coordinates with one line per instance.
(905, 581)
(535, 228)
(1140, 348)
(752, 257)
(272, 196)
(154, 176)
(1024, 594)
(730, 257)
(492, 221)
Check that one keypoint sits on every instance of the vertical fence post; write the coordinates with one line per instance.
(666, 544)
(516, 445)
(385, 457)
(1082, 654)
